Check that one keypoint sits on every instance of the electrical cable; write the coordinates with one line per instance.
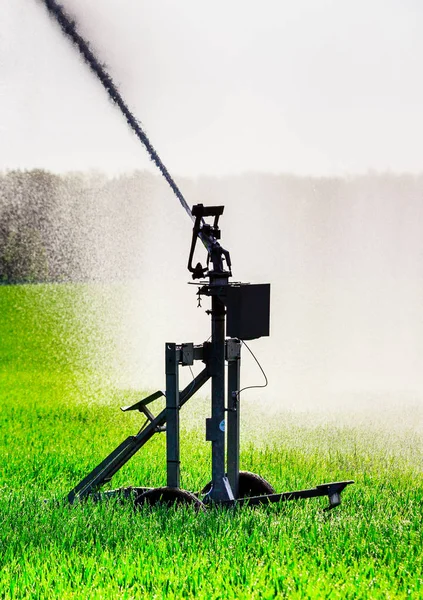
(251, 387)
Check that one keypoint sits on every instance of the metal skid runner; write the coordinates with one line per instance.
(243, 310)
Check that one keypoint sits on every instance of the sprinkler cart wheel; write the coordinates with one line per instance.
(168, 496)
(249, 484)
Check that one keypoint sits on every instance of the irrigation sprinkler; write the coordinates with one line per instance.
(239, 311)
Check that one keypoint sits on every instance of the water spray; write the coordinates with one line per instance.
(239, 311)
(70, 29)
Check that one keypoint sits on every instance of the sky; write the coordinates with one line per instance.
(314, 88)
(307, 87)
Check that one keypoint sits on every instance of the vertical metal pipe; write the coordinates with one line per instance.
(233, 429)
(172, 416)
(219, 491)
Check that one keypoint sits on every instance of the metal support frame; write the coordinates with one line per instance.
(221, 490)
(224, 433)
(220, 431)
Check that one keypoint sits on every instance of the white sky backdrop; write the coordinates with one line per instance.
(304, 86)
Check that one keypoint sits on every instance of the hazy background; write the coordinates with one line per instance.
(328, 87)
(234, 95)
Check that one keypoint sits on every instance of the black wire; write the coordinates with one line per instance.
(251, 387)
(193, 379)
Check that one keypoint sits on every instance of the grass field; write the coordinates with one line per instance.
(60, 416)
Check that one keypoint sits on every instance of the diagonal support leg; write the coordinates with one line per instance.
(126, 450)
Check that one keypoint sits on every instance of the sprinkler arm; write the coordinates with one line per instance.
(209, 235)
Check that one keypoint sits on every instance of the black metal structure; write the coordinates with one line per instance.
(243, 312)
(239, 311)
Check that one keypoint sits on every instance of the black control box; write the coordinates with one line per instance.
(248, 310)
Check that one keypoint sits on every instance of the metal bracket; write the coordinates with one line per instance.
(233, 349)
(187, 354)
(141, 406)
(224, 496)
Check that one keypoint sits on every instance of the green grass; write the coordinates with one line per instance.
(60, 416)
